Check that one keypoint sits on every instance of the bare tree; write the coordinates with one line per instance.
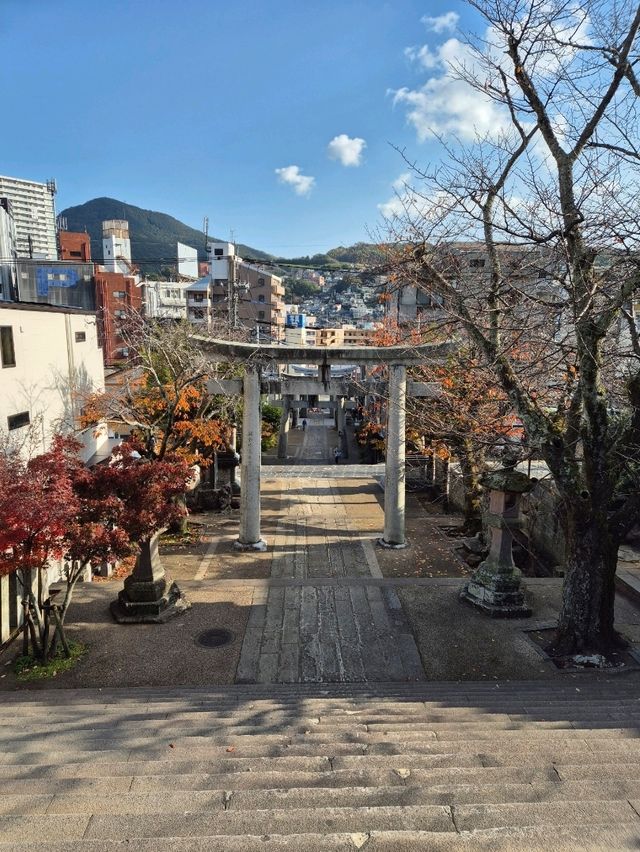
(530, 234)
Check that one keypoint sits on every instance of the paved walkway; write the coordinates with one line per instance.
(304, 629)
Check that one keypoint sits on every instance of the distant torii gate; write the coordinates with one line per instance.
(396, 358)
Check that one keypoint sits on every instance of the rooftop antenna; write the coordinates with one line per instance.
(205, 228)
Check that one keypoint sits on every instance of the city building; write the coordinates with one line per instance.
(165, 299)
(354, 336)
(34, 215)
(244, 294)
(56, 282)
(187, 262)
(74, 246)
(8, 251)
(116, 246)
(200, 303)
(115, 294)
(50, 360)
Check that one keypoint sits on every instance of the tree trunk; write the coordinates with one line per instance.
(181, 525)
(472, 466)
(586, 622)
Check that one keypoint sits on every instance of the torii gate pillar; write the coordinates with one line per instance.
(249, 537)
(394, 477)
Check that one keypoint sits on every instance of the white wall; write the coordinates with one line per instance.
(187, 261)
(113, 250)
(53, 374)
(166, 299)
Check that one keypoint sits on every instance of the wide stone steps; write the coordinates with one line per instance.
(443, 766)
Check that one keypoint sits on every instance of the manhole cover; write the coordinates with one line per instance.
(215, 638)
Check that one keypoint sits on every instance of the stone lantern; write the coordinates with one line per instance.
(496, 586)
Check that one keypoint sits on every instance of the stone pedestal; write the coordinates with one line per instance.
(394, 477)
(496, 586)
(148, 596)
(249, 537)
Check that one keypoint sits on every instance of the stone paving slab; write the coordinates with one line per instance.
(324, 616)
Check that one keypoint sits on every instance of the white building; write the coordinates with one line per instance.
(200, 303)
(8, 250)
(116, 246)
(50, 362)
(187, 261)
(166, 299)
(34, 214)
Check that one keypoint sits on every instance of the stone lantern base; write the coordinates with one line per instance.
(148, 597)
(499, 595)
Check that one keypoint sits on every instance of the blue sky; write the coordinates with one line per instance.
(190, 108)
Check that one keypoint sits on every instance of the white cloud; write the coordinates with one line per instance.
(302, 184)
(442, 23)
(446, 105)
(423, 55)
(346, 150)
(404, 198)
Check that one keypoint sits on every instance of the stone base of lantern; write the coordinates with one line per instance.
(148, 597)
(499, 595)
(169, 604)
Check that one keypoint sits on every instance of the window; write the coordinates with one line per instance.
(7, 351)
(198, 297)
(260, 282)
(17, 421)
(218, 252)
(260, 314)
(119, 294)
(476, 263)
(75, 253)
(261, 298)
(81, 336)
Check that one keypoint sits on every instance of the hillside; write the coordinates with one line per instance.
(153, 234)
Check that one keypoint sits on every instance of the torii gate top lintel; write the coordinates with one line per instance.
(399, 355)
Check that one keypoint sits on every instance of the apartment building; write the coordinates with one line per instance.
(247, 295)
(34, 215)
(50, 360)
(165, 299)
(8, 251)
(200, 310)
(115, 294)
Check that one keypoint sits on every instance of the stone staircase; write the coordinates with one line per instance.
(526, 766)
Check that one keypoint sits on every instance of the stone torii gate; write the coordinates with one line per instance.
(255, 355)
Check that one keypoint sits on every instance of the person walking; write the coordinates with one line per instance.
(304, 425)
(337, 455)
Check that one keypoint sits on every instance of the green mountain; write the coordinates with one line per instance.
(153, 235)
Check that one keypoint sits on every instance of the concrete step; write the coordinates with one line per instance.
(397, 796)
(551, 749)
(195, 824)
(452, 767)
(215, 730)
(429, 818)
(592, 838)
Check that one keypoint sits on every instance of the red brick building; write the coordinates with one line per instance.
(74, 246)
(115, 294)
